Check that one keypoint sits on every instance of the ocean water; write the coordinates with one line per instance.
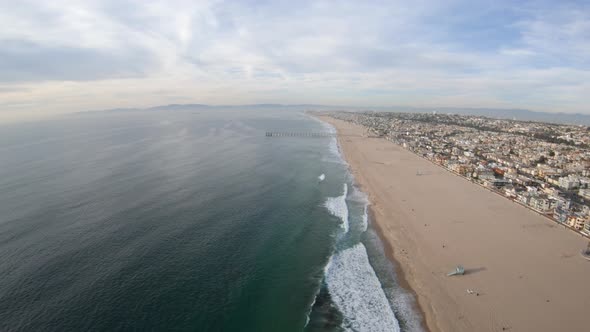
(189, 221)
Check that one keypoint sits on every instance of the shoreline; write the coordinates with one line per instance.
(514, 259)
(390, 252)
(400, 275)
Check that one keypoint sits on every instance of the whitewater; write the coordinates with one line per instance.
(337, 207)
(351, 281)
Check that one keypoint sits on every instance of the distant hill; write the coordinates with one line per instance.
(517, 114)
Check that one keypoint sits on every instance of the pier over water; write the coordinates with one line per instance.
(299, 134)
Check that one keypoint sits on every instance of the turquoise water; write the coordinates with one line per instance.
(187, 220)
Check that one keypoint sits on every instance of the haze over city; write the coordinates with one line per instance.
(64, 56)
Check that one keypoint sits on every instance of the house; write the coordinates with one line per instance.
(540, 203)
(523, 197)
(586, 229)
(577, 221)
(569, 182)
(485, 174)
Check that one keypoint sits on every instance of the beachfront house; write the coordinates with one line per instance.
(577, 221)
(524, 197)
(540, 203)
(586, 229)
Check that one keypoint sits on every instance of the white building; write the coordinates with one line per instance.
(577, 221)
(569, 182)
(584, 193)
(540, 203)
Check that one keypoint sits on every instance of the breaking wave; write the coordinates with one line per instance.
(365, 220)
(359, 196)
(335, 155)
(357, 292)
(337, 207)
(351, 281)
(335, 150)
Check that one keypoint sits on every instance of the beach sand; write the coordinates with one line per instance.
(527, 270)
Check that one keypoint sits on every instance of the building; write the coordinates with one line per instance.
(485, 174)
(569, 182)
(524, 197)
(577, 221)
(584, 193)
(540, 203)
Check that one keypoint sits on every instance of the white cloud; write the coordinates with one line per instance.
(98, 54)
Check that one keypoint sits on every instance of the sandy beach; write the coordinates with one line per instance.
(526, 272)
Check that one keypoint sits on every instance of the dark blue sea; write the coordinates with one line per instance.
(187, 220)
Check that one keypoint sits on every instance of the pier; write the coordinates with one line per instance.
(299, 134)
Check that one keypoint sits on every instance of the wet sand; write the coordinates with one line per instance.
(526, 272)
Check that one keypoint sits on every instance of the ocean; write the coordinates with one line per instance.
(188, 220)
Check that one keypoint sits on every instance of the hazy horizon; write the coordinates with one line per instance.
(67, 57)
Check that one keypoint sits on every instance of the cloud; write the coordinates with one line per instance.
(65, 56)
(559, 36)
(24, 61)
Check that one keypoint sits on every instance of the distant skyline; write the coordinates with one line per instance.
(63, 56)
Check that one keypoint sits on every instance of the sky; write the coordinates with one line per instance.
(68, 56)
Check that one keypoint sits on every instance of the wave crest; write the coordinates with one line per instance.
(357, 292)
(337, 207)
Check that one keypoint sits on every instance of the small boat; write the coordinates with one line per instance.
(322, 177)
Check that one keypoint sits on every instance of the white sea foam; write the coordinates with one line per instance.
(327, 267)
(359, 196)
(404, 302)
(337, 207)
(401, 300)
(365, 220)
(308, 315)
(350, 279)
(333, 146)
(335, 149)
(317, 293)
(322, 177)
(357, 292)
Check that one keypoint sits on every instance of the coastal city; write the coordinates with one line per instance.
(543, 166)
